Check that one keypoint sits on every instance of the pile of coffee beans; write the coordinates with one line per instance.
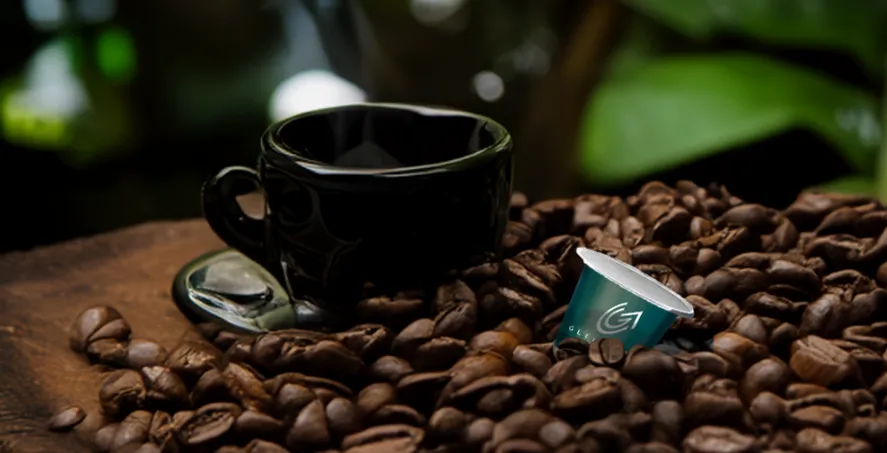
(785, 352)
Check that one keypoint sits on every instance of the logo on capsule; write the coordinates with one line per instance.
(616, 320)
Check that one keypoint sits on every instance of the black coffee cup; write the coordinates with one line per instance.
(387, 194)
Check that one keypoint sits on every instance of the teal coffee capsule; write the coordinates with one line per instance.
(615, 300)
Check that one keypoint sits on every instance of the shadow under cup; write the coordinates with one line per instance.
(391, 195)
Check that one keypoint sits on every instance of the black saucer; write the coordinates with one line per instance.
(229, 289)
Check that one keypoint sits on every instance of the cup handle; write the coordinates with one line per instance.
(226, 217)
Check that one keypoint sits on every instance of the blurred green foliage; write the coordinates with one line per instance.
(662, 108)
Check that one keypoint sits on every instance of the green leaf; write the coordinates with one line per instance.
(679, 109)
(851, 27)
(853, 185)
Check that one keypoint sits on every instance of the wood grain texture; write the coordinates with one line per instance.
(41, 291)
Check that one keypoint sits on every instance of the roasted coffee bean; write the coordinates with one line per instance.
(407, 342)
(439, 354)
(390, 368)
(324, 358)
(399, 438)
(595, 399)
(395, 312)
(734, 282)
(770, 374)
(825, 418)
(316, 384)
(479, 431)
(668, 422)
(502, 343)
(424, 389)
(751, 327)
(107, 351)
(556, 433)
(717, 439)
(133, 429)
(561, 376)
(497, 395)
(244, 386)
(504, 303)
(343, 417)
(649, 254)
(164, 387)
(657, 374)
(551, 322)
(706, 316)
(608, 433)
(517, 203)
(225, 339)
(447, 424)
(209, 388)
(862, 335)
(457, 321)
(870, 363)
(818, 361)
(705, 407)
(66, 418)
(521, 424)
(122, 391)
(755, 217)
(458, 293)
(827, 316)
(561, 251)
(557, 216)
(310, 429)
(141, 353)
(94, 324)
(368, 341)
(606, 352)
(664, 275)
(518, 235)
(263, 446)
(394, 414)
(870, 429)
(570, 347)
(607, 244)
(531, 361)
(651, 447)
(802, 389)
(731, 343)
(683, 257)
(209, 424)
(256, 424)
(160, 430)
(103, 437)
(517, 328)
(191, 359)
(700, 227)
(812, 440)
(716, 365)
(476, 276)
(291, 398)
(695, 285)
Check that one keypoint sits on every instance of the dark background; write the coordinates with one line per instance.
(188, 92)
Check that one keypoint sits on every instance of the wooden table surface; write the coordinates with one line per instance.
(42, 290)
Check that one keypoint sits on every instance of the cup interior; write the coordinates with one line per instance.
(382, 136)
(636, 282)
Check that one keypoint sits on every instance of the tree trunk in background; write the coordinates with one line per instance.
(548, 137)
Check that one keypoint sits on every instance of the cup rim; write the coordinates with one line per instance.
(592, 259)
(502, 142)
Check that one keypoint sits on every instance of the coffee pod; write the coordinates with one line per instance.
(615, 300)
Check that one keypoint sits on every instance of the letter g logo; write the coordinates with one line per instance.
(616, 320)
